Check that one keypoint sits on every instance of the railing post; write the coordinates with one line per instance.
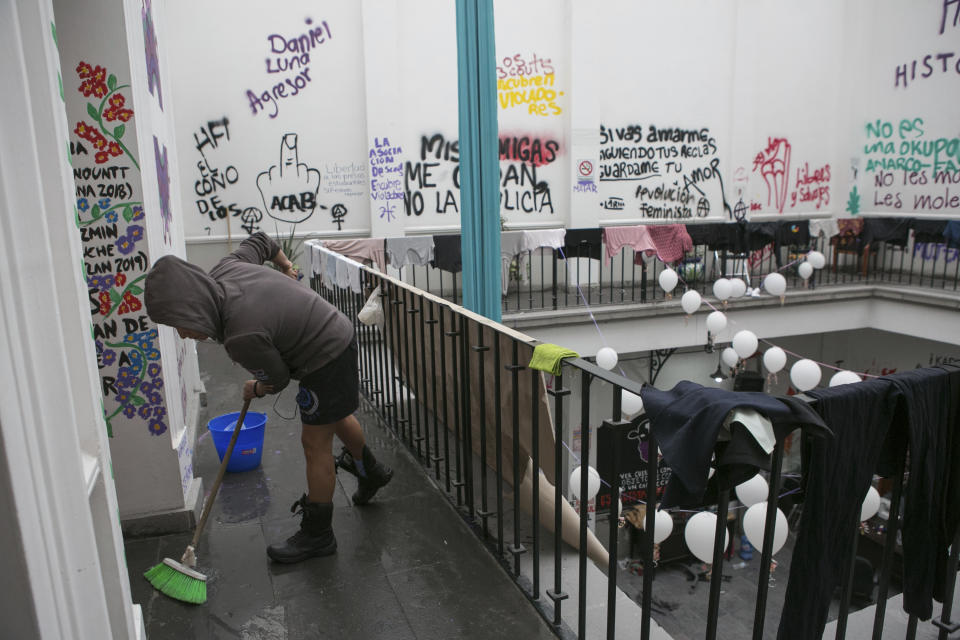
(716, 569)
(611, 428)
(516, 548)
(498, 438)
(557, 594)
(649, 569)
(466, 411)
(422, 395)
(436, 457)
(457, 382)
(443, 392)
(535, 475)
(893, 526)
(769, 527)
(481, 351)
(585, 381)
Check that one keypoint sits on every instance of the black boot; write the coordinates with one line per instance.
(315, 537)
(374, 476)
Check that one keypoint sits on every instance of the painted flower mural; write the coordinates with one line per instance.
(107, 142)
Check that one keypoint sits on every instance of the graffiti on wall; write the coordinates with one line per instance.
(789, 184)
(150, 50)
(289, 189)
(932, 64)
(214, 184)
(528, 84)
(901, 156)
(432, 182)
(111, 218)
(346, 179)
(386, 177)
(673, 167)
(288, 67)
(163, 185)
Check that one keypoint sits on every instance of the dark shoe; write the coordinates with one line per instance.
(375, 475)
(315, 537)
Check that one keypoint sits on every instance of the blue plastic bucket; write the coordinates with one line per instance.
(249, 448)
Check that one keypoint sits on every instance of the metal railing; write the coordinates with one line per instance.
(449, 384)
(549, 279)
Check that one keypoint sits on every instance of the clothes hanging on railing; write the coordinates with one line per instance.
(951, 233)
(415, 250)
(536, 238)
(636, 236)
(928, 230)
(687, 421)
(583, 243)
(793, 233)
(362, 250)
(671, 240)
(894, 231)
(447, 253)
(873, 422)
(719, 236)
(827, 227)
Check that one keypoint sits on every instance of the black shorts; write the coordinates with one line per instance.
(332, 392)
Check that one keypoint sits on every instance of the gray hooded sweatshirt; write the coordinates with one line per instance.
(269, 324)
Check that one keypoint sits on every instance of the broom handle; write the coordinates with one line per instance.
(220, 474)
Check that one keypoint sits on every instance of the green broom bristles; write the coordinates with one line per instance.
(172, 579)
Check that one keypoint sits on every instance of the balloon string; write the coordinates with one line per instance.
(796, 355)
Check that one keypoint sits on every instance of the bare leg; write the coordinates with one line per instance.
(317, 441)
(351, 435)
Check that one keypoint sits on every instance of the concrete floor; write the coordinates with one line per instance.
(407, 566)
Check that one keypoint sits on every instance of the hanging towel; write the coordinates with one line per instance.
(415, 250)
(583, 243)
(330, 270)
(827, 227)
(366, 250)
(534, 239)
(757, 424)
(446, 253)
(549, 357)
(353, 276)
(343, 274)
(616, 238)
(672, 241)
(719, 236)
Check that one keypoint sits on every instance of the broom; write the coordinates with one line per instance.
(181, 580)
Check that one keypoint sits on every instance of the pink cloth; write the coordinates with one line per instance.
(616, 238)
(366, 250)
(672, 241)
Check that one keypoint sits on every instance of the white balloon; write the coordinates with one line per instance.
(774, 359)
(738, 287)
(752, 491)
(805, 270)
(662, 526)
(805, 374)
(729, 357)
(668, 279)
(699, 535)
(593, 483)
(606, 358)
(716, 322)
(722, 289)
(690, 301)
(816, 259)
(630, 404)
(844, 377)
(745, 343)
(871, 504)
(753, 523)
(775, 284)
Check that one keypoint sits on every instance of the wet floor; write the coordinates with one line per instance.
(406, 567)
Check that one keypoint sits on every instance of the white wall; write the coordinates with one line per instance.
(126, 192)
(626, 112)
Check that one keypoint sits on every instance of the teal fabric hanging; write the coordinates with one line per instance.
(479, 158)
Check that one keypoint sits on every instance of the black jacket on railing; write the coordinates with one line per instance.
(874, 423)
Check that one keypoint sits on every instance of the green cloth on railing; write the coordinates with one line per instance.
(548, 357)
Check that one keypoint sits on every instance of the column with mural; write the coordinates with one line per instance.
(121, 152)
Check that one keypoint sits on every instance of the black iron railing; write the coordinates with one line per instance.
(547, 279)
(433, 366)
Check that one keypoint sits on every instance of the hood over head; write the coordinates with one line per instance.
(182, 295)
